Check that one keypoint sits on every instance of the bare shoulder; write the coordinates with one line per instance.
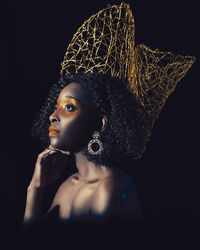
(114, 183)
(116, 194)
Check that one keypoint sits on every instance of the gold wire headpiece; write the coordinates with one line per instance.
(106, 43)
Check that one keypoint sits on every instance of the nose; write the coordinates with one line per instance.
(54, 117)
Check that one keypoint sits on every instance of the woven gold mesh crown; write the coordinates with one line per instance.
(106, 43)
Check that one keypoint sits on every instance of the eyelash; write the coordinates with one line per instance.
(70, 104)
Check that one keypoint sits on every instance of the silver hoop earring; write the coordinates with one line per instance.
(95, 142)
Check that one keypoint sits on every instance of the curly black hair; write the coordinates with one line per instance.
(128, 129)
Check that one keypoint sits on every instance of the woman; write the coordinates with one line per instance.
(99, 190)
(109, 95)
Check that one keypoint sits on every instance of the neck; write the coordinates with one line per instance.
(88, 170)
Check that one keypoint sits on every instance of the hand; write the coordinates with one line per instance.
(48, 167)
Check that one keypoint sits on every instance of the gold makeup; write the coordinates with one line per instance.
(53, 131)
(69, 101)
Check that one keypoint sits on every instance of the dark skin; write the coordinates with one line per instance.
(74, 118)
(95, 191)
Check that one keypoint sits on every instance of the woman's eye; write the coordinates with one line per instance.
(70, 107)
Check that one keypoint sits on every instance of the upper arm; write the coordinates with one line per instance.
(119, 199)
(129, 203)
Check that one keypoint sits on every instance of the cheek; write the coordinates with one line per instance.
(77, 130)
(77, 125)
(70, 127)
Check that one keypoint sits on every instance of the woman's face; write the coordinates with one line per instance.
(72, 123)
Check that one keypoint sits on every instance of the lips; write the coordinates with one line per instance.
(53, 131)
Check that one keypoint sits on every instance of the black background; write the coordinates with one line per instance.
(34, 39)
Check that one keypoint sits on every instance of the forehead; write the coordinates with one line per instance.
(77, 91)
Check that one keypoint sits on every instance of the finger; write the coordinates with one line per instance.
(50, 155)
(46, 151)
(57, 155)
(45, 154)
(60, 150)
(56, 158)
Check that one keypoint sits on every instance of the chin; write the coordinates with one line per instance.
(55, 143)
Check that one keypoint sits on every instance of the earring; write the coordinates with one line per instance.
(95, 143)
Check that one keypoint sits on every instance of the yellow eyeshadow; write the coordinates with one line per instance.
(69, 100)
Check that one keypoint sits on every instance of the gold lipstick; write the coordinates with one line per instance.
(53, 131)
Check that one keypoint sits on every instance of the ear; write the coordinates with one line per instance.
(104, 123)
